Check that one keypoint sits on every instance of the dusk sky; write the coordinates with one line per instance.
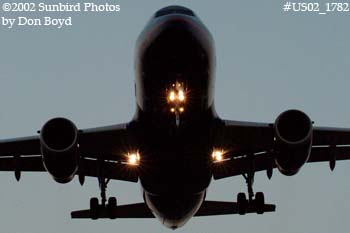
(268, 61)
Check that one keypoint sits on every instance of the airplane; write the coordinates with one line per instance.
(176, 144)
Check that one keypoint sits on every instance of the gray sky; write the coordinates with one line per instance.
(267, 61)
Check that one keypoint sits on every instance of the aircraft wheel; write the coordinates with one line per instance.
(260, 202)
(94, 208)
(242, 203)
(111, 207)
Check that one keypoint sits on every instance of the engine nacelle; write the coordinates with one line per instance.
(293, 141)
(59, 148)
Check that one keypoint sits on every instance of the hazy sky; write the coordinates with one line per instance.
(267, 61)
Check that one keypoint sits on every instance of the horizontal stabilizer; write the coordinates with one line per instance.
(138, 210)
(210, 208)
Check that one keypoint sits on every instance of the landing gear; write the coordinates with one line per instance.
(242, 203)
(111, 207)
(258, 203)
(94, 208)
(100, 210)
(97, 210)
(103, 187)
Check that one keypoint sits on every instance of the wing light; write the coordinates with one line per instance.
(218, 155)
(133, 158)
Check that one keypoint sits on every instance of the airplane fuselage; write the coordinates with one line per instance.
(174, 49)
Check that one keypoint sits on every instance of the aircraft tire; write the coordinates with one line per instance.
(260, 202)
(94, 208)
(111, 206)
(242, 203)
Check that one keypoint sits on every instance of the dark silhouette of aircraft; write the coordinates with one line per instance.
(176, 143)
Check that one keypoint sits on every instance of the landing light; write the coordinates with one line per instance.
(133, 158)
(217, 155)
(172, 96)
(181, 95)
(177, 96)
(176, 100)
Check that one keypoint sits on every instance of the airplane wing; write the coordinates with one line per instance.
(107, 143)
(257, 139)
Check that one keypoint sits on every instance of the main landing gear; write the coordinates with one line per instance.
(254, 203)
(105, 207)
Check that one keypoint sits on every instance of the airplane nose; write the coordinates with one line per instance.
(174, 10)
(174, 210)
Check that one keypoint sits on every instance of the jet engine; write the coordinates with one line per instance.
(59, 149)
(293, 141)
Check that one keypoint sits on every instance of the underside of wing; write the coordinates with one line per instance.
(288, 144)
(239, 137)
(64, 151)
(331, 136)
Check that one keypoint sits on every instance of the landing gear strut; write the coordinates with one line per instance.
(103, 187)
(257, 203)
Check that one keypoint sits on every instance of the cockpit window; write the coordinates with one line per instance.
(174, 10)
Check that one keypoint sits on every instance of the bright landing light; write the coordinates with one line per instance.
(133, 158)
(181, 95)
(217, 155)
(176, 97)
(172, 96)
